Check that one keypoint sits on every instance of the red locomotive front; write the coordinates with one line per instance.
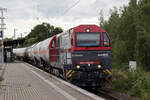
(84, 54)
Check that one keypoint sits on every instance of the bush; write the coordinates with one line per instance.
(134, 83)
(141, 88)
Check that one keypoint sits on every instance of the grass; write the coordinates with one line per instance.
(134, 83)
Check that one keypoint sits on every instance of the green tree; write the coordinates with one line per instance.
(41, 32)
(121, 27)
(127, 29)
(143, 33)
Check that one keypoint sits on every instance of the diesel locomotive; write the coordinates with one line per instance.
(81, 55)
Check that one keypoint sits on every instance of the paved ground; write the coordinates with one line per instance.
(24, 82)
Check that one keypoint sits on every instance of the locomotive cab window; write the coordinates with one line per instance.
(71, 41)
(53, 44)
(88, 39)
(106, 41)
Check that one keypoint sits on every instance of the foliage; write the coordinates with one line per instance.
(8, 39)
(135, 83)
(141, 88)
(129, 31)
(143, 36)
(41, 32)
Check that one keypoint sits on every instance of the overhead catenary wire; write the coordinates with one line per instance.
(68, 9)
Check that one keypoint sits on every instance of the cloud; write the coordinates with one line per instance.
(25, 9)
(24, 14)
(23, 26)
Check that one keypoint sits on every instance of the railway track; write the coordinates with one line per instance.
(107, 95)
(110, 94)
(102, 93)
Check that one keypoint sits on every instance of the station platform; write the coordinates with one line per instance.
(23, 81)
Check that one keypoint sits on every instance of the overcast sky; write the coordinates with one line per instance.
(23, 15)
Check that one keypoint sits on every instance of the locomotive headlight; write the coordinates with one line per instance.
(99, 66)
(87, 30)
(78, 66)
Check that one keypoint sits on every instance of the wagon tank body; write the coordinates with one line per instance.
(20, 52)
